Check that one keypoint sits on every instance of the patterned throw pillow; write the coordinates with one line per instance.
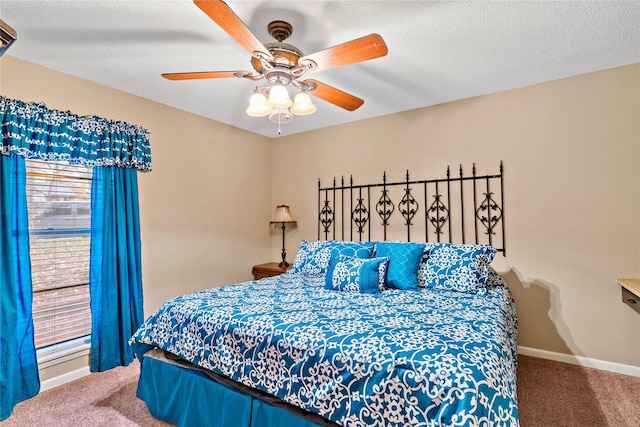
(494, 279)
(461, 268)
(312, 258)
(404, 261)
(355, 274)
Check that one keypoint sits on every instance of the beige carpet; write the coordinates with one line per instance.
(559, 394)
(105, 399)
(549, 393)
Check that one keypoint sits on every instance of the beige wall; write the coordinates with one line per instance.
(571, 151)
(206, 205)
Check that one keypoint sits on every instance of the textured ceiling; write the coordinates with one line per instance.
(438, 51)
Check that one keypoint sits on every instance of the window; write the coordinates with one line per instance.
(59, 203)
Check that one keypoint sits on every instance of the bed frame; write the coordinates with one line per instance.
(439, 209)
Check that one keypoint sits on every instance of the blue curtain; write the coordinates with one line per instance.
(115, 267)
(18, 365)
(116, 150)
(34, 131)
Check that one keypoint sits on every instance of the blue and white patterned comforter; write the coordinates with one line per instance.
(397, 358)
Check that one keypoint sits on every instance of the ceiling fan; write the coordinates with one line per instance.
(282, 65)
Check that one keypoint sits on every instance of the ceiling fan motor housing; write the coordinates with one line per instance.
(285, 54)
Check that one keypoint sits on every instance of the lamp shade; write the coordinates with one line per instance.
(302, 105)
(279, 97)
(282, 215)
(258, 106)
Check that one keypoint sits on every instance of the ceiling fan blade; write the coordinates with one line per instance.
(358, 50)
(335, 96)
(229, 21)
(205, 75)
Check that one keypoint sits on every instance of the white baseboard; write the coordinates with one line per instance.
(587, 362)
(64, 378)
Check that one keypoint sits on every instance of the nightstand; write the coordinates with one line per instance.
(269, 269)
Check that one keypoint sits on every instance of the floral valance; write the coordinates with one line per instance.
(34, 131)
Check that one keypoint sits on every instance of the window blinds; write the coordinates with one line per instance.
(59, 203)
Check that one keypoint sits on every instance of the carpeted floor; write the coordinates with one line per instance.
(105, 399)
(549, 394)
(559, 394)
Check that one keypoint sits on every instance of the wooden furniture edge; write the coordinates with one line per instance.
(632, 285)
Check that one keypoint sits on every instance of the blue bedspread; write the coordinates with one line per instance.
(397, 358)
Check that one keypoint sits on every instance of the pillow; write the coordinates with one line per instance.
(404, 261)
(312, 258)
(494, 280)
(351, 274)
(461, 268)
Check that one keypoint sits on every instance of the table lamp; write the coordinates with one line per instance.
(283, 217)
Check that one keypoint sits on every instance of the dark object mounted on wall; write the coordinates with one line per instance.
(454, 209)
(7, 36)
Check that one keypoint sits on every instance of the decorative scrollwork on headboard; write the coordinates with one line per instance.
(489, 221)
(448, 204)
(360, 216)
(438, 214)
(385, 207)
(326, 217)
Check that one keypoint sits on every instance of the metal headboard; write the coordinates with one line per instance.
(448, 205)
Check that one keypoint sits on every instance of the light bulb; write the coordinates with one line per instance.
(257, 106)
(279, 97)
(302, 105)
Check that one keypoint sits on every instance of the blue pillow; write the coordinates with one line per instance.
(461, 268)
(404, 261)
(355, 274)
(312, 258)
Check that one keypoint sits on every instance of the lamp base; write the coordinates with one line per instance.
(284, 264)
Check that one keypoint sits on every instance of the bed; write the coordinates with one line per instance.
(357, 333)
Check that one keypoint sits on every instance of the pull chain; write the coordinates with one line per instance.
(279, 117)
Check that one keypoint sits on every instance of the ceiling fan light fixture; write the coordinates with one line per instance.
(279, 97)
(280, 116)
(258, 106)
(302, 105)
(282, 66)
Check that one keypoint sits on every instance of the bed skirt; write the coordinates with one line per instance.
(189, 397)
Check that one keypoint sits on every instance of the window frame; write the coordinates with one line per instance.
(52, 176)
